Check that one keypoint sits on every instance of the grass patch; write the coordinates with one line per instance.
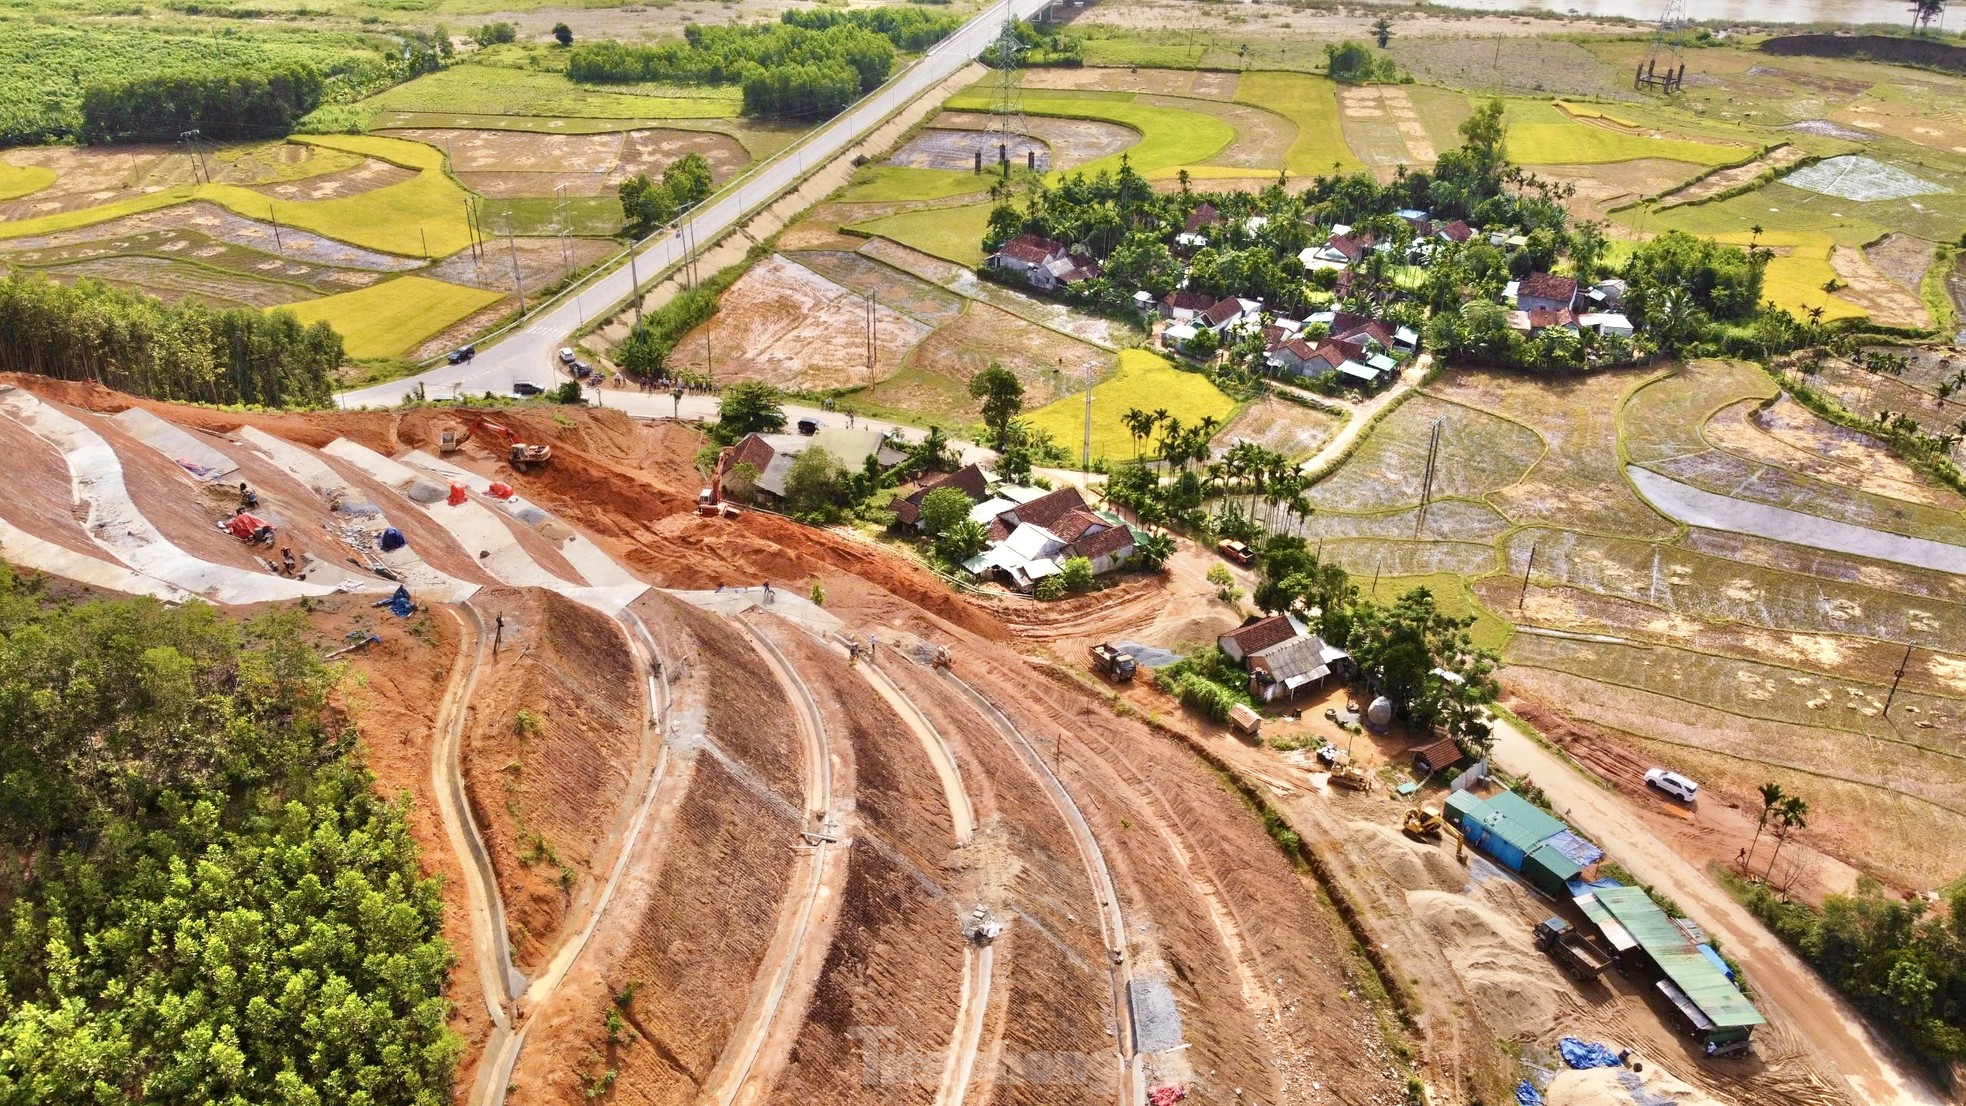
(1311, 103)
(1589, 111)
(1170, 138)
(1581, 144)
(504, 90)
(587, 216)
(1454, 597)
(392, 317)
(951, 233)
(398, 219)
(890, 183)
(18, 180)
(1144, 380)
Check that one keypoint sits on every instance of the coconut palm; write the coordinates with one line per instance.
(1772, 795)
(1792, 815)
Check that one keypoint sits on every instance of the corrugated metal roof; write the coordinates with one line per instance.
(1555, 862)
(1620, 938)
(1511, 818)
(1692, 973)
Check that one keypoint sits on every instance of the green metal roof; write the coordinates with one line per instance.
(1553, 861)
(1532, 824)
(1691, 972)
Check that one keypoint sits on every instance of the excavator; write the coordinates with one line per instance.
(520, 455)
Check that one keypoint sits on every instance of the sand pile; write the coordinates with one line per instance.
(1621, 1087)
(1412, 865)
(1516, 990)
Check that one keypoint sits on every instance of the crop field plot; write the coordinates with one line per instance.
(1145, 381)
(1525, 65)
(87, 176)
(890, 183)
(23, 180)
(1288, 428)
(1854, 177)
(1887, 302)
(388, 319)
(1071, 142)
(541, 262)
(1699, 586)
(367, 176)
(783, 323)
(1383, 128)
(951, 233)
(1663, 417)
(477, 89)
(1131, 79)
(1366, 557)
(1732, 475)
(1578, 481)
(1263, 137)
(1907, 581)
(208, 235)
(508, 164)
(939, 369)
(548, 216)
(174, 280)
(1793, 437)
(1171, 137)
(955, 150)
(1871, 816)
(910, 295)
(1479, 453)
(1311, 105)
(1604, 188)
(1452, 595)
(1541, 134)
(1460, 520)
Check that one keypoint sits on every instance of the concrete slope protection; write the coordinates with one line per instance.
(1713, 511)
(304, 466)
(116, 524)
(528, 349)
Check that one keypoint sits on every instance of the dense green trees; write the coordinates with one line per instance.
(1354, 63)
(942, 509)
(646, 205)
(1003, 397)
(186, 351)
(1721, 281)
(207, 901)
(809, 64)
(748, 407)
(262, 102)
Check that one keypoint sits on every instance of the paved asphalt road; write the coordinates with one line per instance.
(527, 353)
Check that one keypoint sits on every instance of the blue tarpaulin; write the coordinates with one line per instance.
(1713, 957)
(392, 540)
(1526, 1094)
(1585, 887)
(1587, 1054)
(400, 604)
(1581, 852)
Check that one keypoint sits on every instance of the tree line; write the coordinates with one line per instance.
(260, 102)
(812, 65)
(187, 351)
(207, 901)
(646, 205)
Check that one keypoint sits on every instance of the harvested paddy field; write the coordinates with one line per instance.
(505, 163)
(1070, 142)
(1292, 429)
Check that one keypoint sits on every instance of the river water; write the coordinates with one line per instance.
(1729, 11)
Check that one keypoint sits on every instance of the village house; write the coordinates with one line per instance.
(1610, 324)
(771, 455)
(1457, 231)
(1032, 540)
(1184, 305)
(1032, 258)
(970, 480)
(1282, 657)
(1543, 290)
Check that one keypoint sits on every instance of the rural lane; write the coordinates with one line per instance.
(527, 350)
(1846, 1046)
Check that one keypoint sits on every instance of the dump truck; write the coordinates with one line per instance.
(518, 454)
(1423, 821)
(1113, 661)
(1573, 950)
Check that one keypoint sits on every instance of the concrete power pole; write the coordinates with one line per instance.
(518, 280)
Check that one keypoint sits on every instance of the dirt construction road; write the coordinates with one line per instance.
(1786, 988)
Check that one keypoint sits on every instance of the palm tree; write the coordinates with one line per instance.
(1771, 797)
(1154, 550)
(1790, 816)
(1139, 426)
(1382, 31)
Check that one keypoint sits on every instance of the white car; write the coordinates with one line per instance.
(1672, 783)
(566, 355)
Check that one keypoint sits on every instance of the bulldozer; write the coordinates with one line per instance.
(1423, 822)
(520, 455)
(1351, 777)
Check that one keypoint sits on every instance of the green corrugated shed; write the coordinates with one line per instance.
(1550, 870)
(1461, 805)
(1667, 946)
(1533, 824)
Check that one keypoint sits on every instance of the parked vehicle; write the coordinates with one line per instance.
(1235, 551)
(1423, 822)
(1579, 957)
(527, 388)
(808, 427)
(462, 354)
(582, 369)
(1672, 783)
(566, 355)
(1113, 661)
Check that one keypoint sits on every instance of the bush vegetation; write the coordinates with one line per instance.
(207, 901)
(221, 104)
(186, 351)
(646, 205)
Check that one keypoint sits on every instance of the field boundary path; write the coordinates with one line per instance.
(1845, 1046)
(1698, 507)
(528, 342)
(1112, 922)
(794, 956)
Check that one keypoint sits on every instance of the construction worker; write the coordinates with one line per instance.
(248, 498)
(852, 653)
(287, 560)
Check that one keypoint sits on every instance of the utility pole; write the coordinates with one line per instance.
(518, 280)
(425, 232)
(1523, 595)
(1427, 486)
(1895, 677)
(274, 218)
(1085, 457)
(635, 293)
